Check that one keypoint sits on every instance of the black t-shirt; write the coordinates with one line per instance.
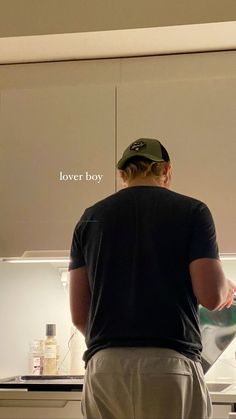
(137, 245)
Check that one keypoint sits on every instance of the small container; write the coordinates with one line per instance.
(36, 357)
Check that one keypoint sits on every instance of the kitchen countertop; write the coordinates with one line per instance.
(43, 383)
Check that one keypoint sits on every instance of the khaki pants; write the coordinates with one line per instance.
(144, 383)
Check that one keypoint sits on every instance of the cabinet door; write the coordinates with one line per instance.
(196, 121)
(221, 411)
(57, 158)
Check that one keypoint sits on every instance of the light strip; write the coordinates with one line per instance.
(223, 256)
(35, 260)
(228, 256)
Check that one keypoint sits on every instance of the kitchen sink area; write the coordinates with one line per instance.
(43, 382)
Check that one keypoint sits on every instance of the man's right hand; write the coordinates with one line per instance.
(210, 286)
(230, 297)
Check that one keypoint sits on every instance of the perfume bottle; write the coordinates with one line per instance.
(50, 364)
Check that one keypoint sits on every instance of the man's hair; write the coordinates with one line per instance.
(141, 166)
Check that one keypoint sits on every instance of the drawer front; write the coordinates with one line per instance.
(40, 409)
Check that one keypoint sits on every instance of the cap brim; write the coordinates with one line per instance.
(124, 160)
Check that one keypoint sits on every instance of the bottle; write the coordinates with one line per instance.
(50, 365)
(36, 357)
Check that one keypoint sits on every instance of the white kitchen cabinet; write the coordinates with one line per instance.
(195, 119)
(55, 142)
(40, 405)
(67, 117)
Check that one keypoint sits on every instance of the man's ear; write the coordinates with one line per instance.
(167, 168)
(123, 176)
(167, 172)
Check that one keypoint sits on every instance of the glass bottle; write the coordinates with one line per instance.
(50, 365)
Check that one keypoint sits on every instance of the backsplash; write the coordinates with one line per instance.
(31, 296)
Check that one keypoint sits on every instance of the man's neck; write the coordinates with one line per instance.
(141, 181)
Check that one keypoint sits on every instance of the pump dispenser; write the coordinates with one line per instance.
(50, 351)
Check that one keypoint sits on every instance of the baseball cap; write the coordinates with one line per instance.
(150, 148)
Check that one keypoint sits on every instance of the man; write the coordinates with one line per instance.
(141, 261)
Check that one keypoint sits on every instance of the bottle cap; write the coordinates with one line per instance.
(50, 330)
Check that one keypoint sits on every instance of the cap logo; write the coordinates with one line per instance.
(137, 145)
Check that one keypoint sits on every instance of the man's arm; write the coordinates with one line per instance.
(210, 286)
(80, 296)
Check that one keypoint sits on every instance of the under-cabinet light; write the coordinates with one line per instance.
(40, 256)
(60, 259)
(35, 260)
(228, 256)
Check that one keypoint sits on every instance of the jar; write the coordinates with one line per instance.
(36, 357)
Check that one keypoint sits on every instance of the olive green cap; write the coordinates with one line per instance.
(150, 148)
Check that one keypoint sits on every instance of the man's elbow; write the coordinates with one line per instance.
(211, 306)
(79, 324)
(213, 302)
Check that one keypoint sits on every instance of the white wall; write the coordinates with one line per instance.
(32, 295)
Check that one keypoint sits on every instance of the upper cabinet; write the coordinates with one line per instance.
(64, 125)
(196, 121)
(57, 158)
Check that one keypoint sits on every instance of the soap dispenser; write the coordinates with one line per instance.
(50, 351)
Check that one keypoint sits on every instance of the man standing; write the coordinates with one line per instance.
(141, 261)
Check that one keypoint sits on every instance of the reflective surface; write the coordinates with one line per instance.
(45, 379)
(44, 382)
(218, 329)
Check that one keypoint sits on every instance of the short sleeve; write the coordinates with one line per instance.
(76, 253)
(203, 243)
